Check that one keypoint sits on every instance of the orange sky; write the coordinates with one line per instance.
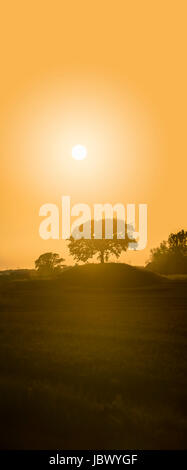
(110, 75)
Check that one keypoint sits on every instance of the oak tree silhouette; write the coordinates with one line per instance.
(84, 249)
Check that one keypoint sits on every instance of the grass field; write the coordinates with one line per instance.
(95, 368)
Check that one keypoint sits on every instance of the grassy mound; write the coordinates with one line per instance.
(110, 275)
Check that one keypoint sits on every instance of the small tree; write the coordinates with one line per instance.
(49, 264)
(158, 252)
(85, 249)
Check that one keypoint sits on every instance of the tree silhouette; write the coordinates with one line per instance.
(84, 249)
(48, 264)
(177, 242)
(171, 255)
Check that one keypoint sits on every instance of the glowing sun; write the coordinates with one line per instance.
(79, 152)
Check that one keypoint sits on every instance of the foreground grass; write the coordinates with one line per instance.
(94, 369)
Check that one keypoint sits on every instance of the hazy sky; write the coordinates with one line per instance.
(111, 76)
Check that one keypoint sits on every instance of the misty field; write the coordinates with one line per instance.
(95, 368)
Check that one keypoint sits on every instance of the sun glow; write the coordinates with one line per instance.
(79, 152)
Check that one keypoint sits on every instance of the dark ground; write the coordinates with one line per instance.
(101, 368)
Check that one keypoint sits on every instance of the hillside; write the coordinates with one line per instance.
(109, 275)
